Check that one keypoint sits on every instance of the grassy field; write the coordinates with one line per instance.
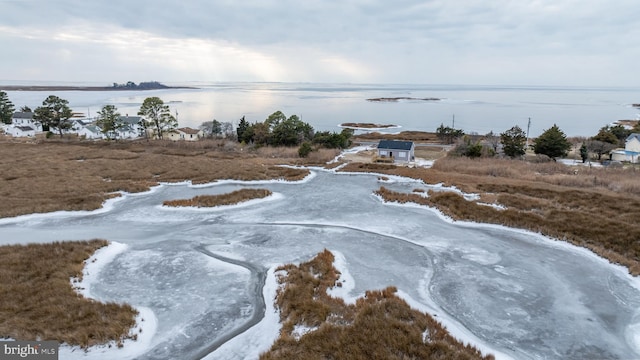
(379, 325)
(39, 302)
(74, 175)
(596, 208)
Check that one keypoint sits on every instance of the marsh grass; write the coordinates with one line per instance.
(605, 224)
(39, 303)
(596, 208)
(379, 325)
(232, 198)
(74, 175)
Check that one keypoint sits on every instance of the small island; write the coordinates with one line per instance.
(367, 126)
(396, 99)
(232, 198)
(129, 85)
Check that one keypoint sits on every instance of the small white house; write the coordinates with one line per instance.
(91, 132)
(399, 151)
(132, 128)
(25, 119)
(185, 134)
(21, 131)
(632, 143)
(631, 152)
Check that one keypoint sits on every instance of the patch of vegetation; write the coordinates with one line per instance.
(422, 136)
(378, 326)
(47, 176)
(396, 99)
(149, 85)
(596, 208)
(38, 302)
(232, 198)
(368, 125)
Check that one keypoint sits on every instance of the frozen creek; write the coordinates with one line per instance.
(200, 271)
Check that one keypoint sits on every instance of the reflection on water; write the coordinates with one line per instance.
(578, 111)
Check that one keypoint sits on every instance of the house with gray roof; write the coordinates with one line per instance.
(91, 132)
(20, 131)
(399, 151)
(185, 133)
(25, 119)
(132, 127)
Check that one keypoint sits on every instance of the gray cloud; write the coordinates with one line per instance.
(466, 41)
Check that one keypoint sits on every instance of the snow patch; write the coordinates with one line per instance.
(300, 330)
(347, 281)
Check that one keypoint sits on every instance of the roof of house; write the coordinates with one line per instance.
(25, 128)
(23, 115)
(395, 145)
(633, 136)
(130, 120)
(188, 130)
(92, 128)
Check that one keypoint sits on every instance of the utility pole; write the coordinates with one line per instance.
(528, 126)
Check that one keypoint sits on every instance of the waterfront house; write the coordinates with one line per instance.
(91, 132)
(185, 133)
(631, 152)
(400, 151)
(25, 119)
(21, 131)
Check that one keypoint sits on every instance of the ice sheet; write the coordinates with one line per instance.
(515, 293)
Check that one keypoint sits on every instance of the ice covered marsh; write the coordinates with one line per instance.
(203, 279)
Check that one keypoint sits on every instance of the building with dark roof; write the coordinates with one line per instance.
(403, 151)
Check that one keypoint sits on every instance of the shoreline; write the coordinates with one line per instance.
(86, 88)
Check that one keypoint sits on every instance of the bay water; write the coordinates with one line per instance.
(578, 111)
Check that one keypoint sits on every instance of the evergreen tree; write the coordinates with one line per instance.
(553, 143)
(448, 134)
(292, 131)
(514, 142)
(606, 135)
(109, 121)
(54, 113)
(6, 108)
(158, 116)
(242, 129)
(584, 152)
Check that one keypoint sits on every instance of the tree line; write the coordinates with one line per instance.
(157, 120)
(552, 142)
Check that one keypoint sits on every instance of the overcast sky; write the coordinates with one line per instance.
(493, 42)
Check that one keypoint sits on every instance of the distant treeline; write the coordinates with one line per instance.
(149, 85)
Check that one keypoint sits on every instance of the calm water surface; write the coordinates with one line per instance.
(579, 111)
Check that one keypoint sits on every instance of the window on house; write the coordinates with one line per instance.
(402, 154)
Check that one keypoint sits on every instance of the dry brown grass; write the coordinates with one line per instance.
(419, 136)
(74, 175)
(379, 326)
(596, 208)
(234, 197)
(39, 303)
